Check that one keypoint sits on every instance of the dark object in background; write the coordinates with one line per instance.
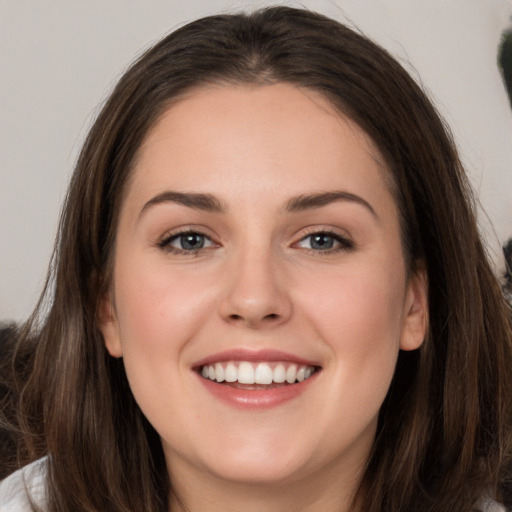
(505, 61)
(507, 285)
(9, 434)
(15, 368)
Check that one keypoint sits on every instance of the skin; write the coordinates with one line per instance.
(260, 283)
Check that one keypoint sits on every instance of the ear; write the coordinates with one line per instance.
(109, 327)
(415, 324)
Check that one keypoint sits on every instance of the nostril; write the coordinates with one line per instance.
(237, 318)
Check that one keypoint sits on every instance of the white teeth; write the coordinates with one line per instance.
(231, 374)
(279, 374)
(245, 372)
(219, 372)
(263, 374)
(291, 374)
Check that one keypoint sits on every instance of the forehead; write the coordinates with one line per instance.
(275, 132)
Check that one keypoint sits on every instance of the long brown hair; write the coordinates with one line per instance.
(444, 435)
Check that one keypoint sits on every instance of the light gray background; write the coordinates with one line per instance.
(60, 58)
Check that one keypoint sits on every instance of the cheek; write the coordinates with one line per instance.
(159, 310)
(359, 316)
(357, 309)
(158, 307)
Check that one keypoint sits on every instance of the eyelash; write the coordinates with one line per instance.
(344, 243)
(165, 243)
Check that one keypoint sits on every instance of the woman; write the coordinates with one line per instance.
(268, 291)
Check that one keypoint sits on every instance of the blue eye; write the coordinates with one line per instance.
(325, 242)
(321, 242)
(187, 242)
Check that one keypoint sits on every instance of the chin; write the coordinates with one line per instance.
(265, 471)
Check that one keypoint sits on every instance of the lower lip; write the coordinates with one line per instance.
(257, 398)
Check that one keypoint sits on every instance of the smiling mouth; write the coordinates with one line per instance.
(248, 375)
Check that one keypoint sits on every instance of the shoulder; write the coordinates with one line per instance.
(488, 505)
(24, 487)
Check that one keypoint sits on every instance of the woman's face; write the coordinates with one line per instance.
(260, 295)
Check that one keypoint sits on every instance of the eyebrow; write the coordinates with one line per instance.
(210, 203)
(312, 201)
(197, 201)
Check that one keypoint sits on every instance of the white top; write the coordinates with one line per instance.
(24, 486)
(28, 484)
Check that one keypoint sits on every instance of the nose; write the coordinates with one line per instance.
(256, 295)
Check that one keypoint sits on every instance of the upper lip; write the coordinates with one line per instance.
(261, 355)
